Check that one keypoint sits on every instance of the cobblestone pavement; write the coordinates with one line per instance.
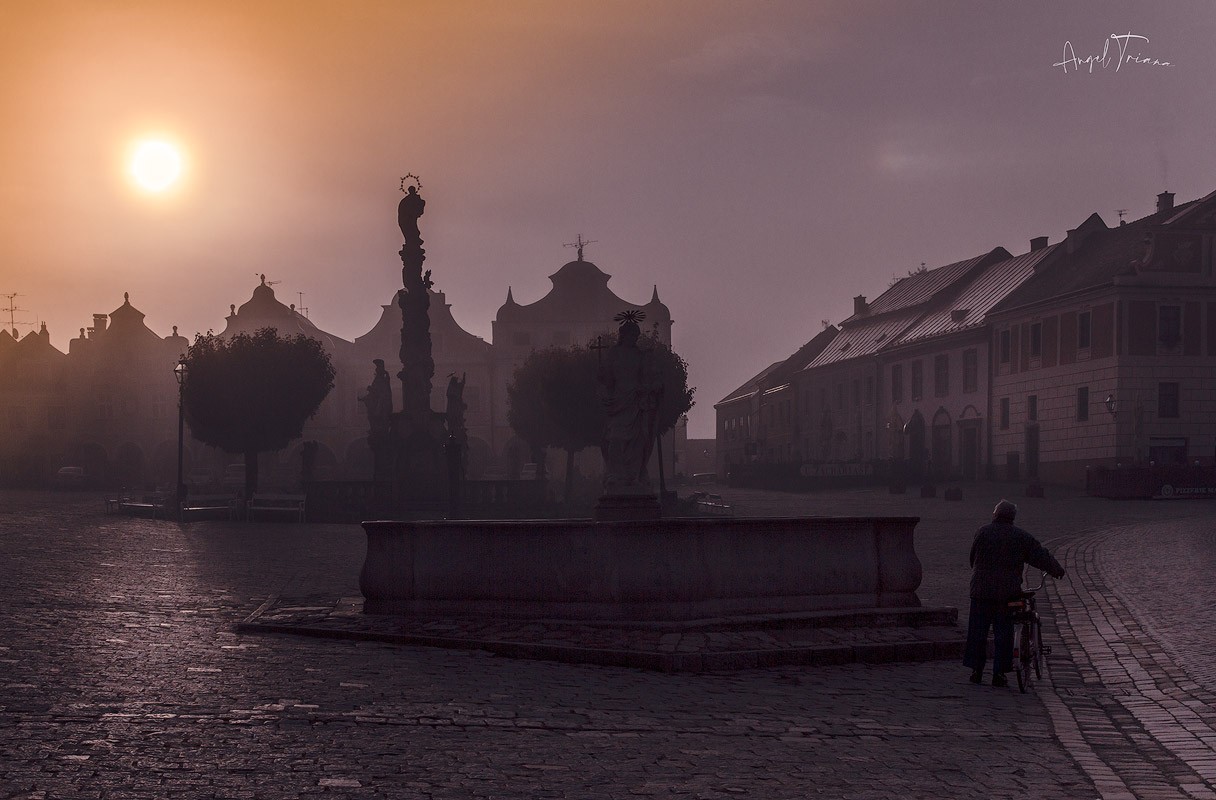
(121, 676)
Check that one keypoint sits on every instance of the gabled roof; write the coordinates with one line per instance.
(751, 386)
(262, 310)
(970, 309)
(127, 323)
(580, 293)
(902, 306)
(385, 335)
(864, 339)
(921, 287)
(802, 357)
(1101, 254)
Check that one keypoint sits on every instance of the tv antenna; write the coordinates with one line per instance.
(580, 244)
(266, 282)
(300, 304)
(1121, 212)
(12, 310)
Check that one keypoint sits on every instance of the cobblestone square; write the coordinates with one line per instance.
(123, 677)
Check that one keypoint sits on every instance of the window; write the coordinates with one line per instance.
(941, 376)
(1169, 325)
(1167, 400)
(868, 397)
(897, 383)
(1083, 330)
(918, 380)
(1005, 347)
(971, 371)
(1032, 408)
(1004, 413)
(1082, 403)
(1036, 340)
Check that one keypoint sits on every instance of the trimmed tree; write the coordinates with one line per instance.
(553, 399)
(552, 402)
(253, 393)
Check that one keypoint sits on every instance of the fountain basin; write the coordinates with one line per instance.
(664, 570)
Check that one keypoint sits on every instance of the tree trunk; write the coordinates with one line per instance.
(251, 473)
(569, 476)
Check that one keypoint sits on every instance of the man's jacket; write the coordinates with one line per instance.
(997, 555)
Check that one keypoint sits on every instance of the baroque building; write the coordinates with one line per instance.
(110, 404)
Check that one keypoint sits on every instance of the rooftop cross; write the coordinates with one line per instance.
(580, 244)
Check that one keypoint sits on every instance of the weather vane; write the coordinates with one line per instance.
(417, 182)
(580, 244)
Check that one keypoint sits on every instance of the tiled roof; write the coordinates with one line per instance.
(922, 286)
(864, 338)
(1103, 254)
(988, 289)
(804, 356)
(750, 387)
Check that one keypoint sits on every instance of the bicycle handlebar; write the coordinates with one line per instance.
(1042, 580)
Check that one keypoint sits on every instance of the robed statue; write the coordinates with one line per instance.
(378, 400)
(408, 211)
(629, 390)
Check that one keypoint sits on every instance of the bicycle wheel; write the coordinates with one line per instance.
(1025, 643)
(1038, 650)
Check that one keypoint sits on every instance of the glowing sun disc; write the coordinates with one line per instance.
(155, 165)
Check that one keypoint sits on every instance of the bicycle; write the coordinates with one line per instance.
(1028, 647)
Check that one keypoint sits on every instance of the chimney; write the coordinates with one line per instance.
(99, 323)
(1038, 243)
(860, 306)
(1165, 202)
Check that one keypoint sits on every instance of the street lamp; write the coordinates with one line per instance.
(179, 372)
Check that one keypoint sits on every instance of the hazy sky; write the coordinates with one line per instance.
(762, 162)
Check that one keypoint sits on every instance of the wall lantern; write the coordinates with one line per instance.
(1111, 404)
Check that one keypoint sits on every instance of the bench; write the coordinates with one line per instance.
(291, 505)
(209, 506)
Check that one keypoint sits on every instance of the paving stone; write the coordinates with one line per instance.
(98, 649)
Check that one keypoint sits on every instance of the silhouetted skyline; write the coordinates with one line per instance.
(762, 164)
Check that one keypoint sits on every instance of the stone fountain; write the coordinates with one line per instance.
(628, 566)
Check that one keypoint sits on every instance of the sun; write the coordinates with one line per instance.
(155, 165)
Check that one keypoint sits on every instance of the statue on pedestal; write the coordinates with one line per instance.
(629, 389)
(409, 210)
(378, 402)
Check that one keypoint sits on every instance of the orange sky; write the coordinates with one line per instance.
(773, 157)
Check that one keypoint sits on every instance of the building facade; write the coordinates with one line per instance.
(110, 404)
(1094, 352)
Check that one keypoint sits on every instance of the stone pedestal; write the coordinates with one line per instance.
(662, 570)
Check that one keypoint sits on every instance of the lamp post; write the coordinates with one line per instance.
(179, 372)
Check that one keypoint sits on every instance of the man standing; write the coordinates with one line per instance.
(998, 553)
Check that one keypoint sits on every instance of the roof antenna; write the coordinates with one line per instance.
(12, 310)
(300, 304)
(1121, 212)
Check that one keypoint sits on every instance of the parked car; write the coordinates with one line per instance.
(70, 478)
